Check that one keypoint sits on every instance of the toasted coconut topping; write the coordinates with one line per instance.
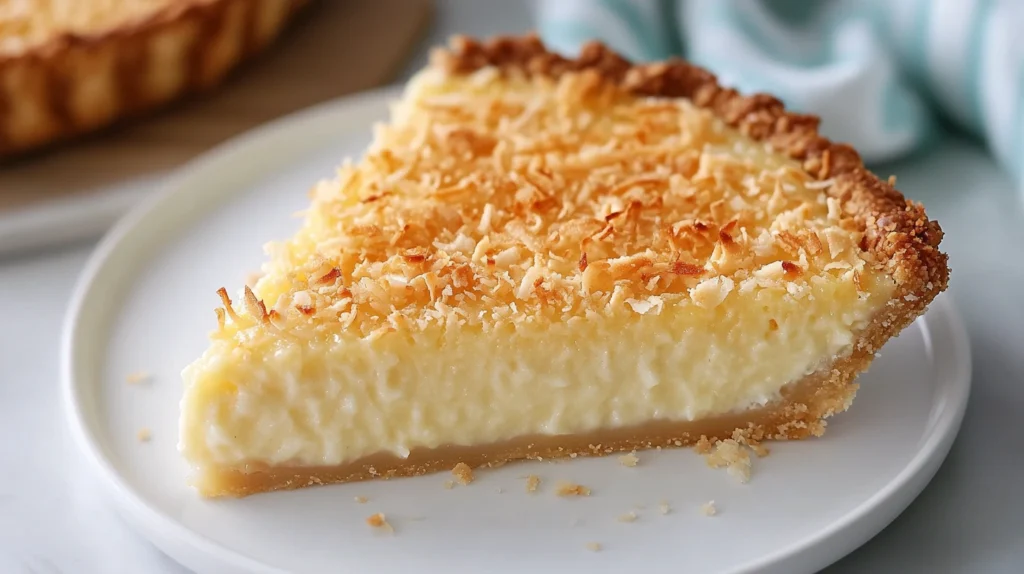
(499, 195)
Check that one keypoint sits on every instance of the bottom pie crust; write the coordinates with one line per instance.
(799, 413)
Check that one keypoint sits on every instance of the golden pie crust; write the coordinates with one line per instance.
(78, 82)
(898, 235)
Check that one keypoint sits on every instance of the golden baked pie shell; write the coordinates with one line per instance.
(79, 83)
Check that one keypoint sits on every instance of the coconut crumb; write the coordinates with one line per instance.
(449, 484)
(361, 499)
(571, 489)
(380, 522)
(753, 443)
(463, 473)
(759, 449)
(627, 517)
(499, 490)
(144, 435)
(594, 546)
(709, 508)
(532, 483)
(733, 456)
(664, 508)
(138, 377)
(630, 459)
(703, 445)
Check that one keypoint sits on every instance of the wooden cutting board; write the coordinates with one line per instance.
(335, 47)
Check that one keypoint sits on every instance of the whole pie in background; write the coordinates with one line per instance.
(68, 67)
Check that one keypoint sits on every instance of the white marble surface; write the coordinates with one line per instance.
(970, 519)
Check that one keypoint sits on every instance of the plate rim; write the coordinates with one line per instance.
(181, 543)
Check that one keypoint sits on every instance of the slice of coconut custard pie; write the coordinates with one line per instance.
(543, 257)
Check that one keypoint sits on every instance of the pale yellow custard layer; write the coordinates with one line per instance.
(333, 401)
(527, 256)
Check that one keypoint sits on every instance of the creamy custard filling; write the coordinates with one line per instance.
(330, 402)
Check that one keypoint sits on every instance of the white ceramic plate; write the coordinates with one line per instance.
(145, 303)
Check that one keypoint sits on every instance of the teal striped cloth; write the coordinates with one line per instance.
(878, 72)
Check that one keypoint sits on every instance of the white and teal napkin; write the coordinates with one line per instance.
(878, 72)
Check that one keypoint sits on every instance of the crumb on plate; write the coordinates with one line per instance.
(708, 508)
(570, 489)
(379, 521)
(703, 445)
(532, 483)
(630, 459)
(463, 473)
(731, 455)
(138, 377)
(759, 449)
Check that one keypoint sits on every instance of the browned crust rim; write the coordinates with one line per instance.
(47, 61)
(898, 236)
